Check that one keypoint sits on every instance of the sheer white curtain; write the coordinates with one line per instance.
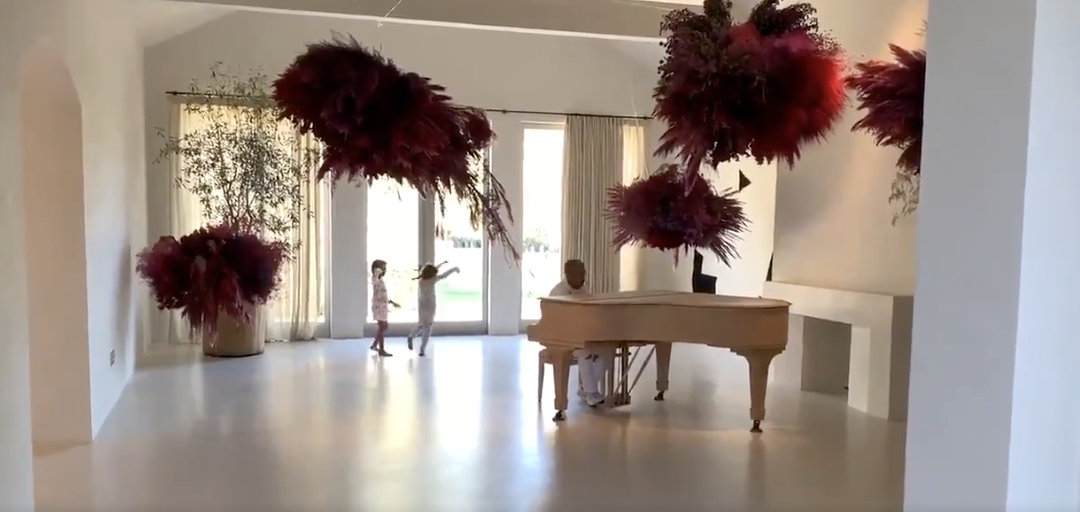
(599, 152)
(299, 309)
(185, 213)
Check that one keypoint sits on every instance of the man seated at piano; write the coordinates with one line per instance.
(592, 366)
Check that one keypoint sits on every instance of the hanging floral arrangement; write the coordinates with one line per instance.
(676, 209)
(377, 121)
(212, 271)
(763, 88)
(891, 94)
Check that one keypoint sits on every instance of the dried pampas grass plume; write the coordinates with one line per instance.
(377, 121)
(891, 95)
(676, 209)
(761, 89)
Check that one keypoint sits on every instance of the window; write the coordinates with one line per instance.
(460, 297)
(299, 308)
(633, 160)
(541, 262)
(408, 232)
(393, 235)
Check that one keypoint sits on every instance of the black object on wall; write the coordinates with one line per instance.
(743, 183)
(702, 283)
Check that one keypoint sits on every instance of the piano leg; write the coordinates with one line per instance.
(623, 352)
(758, 360)
(663, 365)
(560, 366)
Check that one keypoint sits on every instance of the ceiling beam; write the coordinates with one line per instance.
(617, 19)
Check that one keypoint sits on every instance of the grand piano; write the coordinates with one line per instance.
(754, 328)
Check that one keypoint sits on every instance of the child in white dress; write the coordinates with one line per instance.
(380, 306)
(429, 277)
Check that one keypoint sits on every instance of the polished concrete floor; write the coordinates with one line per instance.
(325, 425)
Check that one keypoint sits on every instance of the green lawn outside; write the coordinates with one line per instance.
(463, 304)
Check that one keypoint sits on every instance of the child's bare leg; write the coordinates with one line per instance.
(426, 336)
(415, 332)
(380, 338)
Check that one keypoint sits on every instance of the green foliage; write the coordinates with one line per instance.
(247, 168)
(905, 193)
(538, 240)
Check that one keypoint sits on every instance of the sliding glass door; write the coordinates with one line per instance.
(408, 231)
(542, 176)
(461, 297)
(393, 235)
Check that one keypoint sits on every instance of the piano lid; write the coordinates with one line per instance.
(670, 298)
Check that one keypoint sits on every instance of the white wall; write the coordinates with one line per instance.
(106, 62)
(496, 70)
(993, 412)
(98, 43)
(746, 275)
(833, 219)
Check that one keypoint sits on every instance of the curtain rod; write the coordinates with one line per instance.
(542, 113)
(498, 110)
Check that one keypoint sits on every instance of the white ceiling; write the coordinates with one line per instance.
(646, 54)
(158, 21)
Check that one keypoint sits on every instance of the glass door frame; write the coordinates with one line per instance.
(553, 125)
(428, 227)
(426, 243)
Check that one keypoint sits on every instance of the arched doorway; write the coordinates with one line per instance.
(53, 202)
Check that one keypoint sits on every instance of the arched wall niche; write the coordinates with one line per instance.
(55, 236)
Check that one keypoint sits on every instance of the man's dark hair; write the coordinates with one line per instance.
(570, 264)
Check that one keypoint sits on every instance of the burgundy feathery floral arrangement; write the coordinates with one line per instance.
(762, 88)
(676, 209)
(891, 94)
(377, 121)
(211, 271)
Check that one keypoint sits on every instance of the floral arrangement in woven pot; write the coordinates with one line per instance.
(377, 121)
(763, 88)
(211, 271)
(891, 94)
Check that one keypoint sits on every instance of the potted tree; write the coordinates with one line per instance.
(248, 171)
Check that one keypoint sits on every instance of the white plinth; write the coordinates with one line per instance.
(876, 364)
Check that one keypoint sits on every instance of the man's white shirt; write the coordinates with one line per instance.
(563, 289)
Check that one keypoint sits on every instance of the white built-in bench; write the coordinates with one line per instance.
(842, 341)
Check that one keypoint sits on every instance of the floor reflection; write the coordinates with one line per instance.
(312, 426)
